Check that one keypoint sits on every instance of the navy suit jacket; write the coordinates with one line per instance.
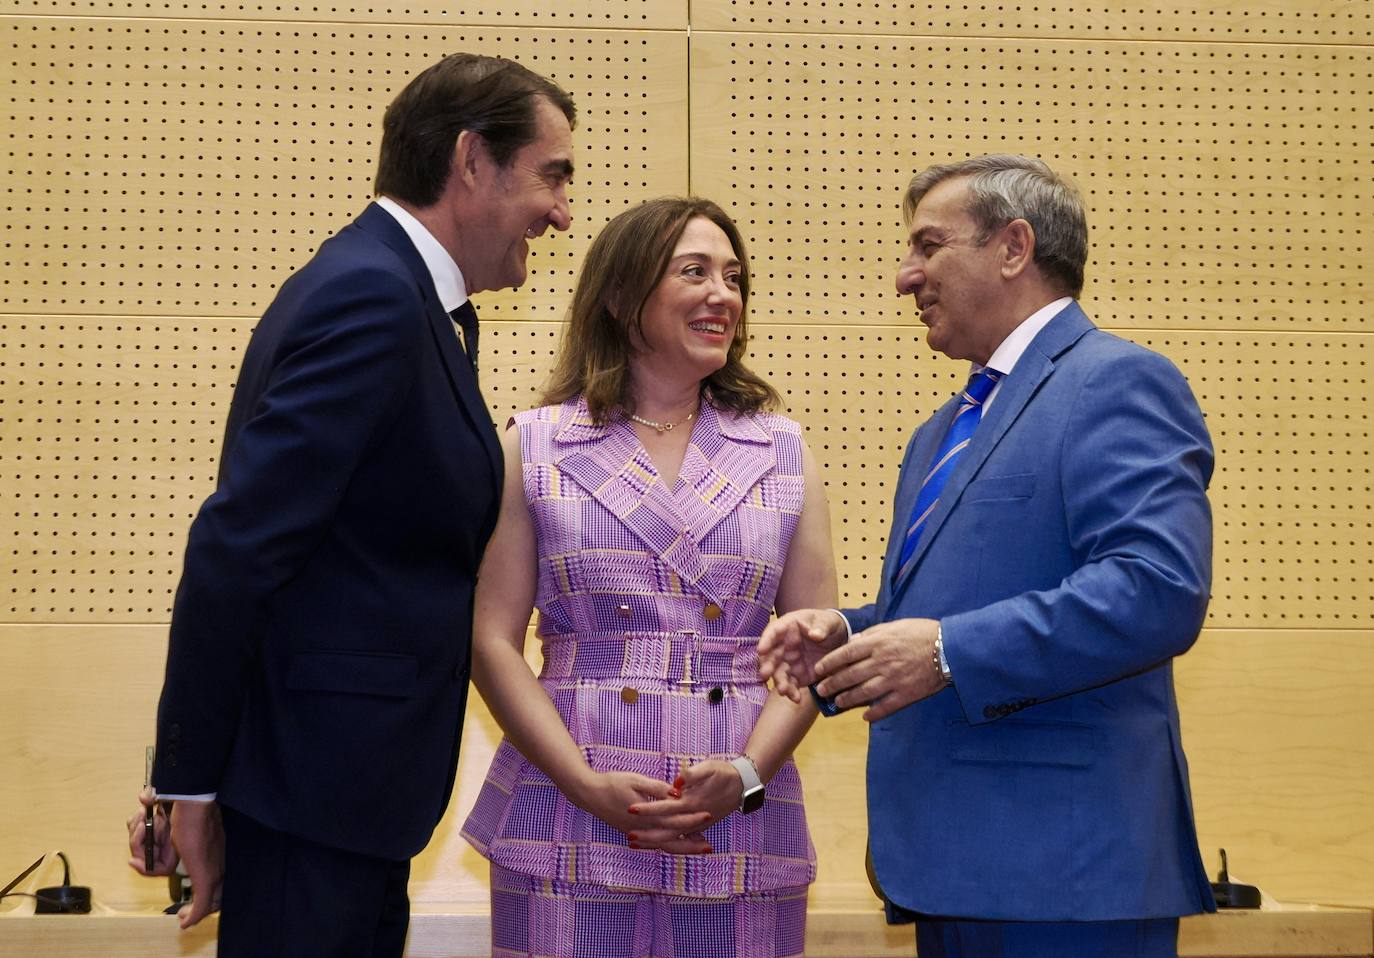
(1068, 560)
(317, 670)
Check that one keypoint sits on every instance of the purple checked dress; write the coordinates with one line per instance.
(651, 602)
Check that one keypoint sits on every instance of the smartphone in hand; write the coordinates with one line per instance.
(149, 815)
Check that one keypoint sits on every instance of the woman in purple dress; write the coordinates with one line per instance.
(644, 802)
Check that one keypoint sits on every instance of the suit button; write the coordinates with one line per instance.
(625, 612)
(461, 673)
(629, 696)
(716, 695)
(989, 712)
(712, 611)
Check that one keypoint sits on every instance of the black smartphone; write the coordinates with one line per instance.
(149, 815)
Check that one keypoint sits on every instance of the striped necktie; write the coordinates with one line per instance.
(957, 437)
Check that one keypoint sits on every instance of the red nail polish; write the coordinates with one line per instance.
(632, 810)
(633, 836)
(675, 793)
(634, 846)
(677, 782)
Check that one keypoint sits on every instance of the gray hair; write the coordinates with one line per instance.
(1004, 187)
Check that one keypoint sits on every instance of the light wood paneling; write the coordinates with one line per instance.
(181, 167)
(169, 164)
(621, 15)
(111, 430)
(1278, 725)
(1226, 184)
(1258, 21)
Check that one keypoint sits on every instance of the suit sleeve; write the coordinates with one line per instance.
(340, 372)
(1135, 461)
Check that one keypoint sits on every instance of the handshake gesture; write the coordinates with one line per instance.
(886, 668)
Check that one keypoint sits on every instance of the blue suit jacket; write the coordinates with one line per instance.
(1069, 559)
(317, 671)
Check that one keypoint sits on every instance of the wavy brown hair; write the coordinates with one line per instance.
(624, 265)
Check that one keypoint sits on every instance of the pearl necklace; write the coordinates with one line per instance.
(662, 427)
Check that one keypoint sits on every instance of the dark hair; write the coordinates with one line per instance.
(491, 96)
(623, 266)
(1004, 187)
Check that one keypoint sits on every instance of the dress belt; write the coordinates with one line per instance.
(684, 657)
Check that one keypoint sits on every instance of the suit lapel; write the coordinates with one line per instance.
(909, 483)
(1035, 366)
(380, 224)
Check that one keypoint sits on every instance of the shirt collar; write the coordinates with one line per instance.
(448, 278)
(1006, 356)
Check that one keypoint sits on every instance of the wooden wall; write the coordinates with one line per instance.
(169, 164)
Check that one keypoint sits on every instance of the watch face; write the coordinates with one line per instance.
(752, 800)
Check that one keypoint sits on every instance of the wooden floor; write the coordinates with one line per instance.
(835, 930)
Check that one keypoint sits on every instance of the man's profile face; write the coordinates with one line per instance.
(955, 281)
(519, 202)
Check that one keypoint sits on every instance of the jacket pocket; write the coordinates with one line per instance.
(1016, 742)
(355, 673)
(1019, 486)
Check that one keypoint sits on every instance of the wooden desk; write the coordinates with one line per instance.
(836, 929)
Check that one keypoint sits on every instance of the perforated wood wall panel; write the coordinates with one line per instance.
(151, 218)
(622, 14)
(209, 160)
(1227, 185)
(111, 440)
(169, 164)
(1260, 21)
(1290, 496)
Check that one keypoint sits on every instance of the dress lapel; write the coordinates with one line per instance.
(725, 458)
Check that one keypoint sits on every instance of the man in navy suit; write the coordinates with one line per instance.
(1050, 555)
(317, 670)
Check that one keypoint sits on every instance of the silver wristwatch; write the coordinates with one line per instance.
(752, 795)
(940, 654)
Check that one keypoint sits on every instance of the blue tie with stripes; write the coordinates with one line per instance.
(958, 435)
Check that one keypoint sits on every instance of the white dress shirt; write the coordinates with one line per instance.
(1005, 357)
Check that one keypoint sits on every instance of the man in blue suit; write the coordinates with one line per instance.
(317, 670)
(1050, 554)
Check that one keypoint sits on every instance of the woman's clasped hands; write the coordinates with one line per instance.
(657, 815)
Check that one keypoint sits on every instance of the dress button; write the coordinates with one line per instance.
(629, 696)
(715, 695)
(625, 612)
(712, 611)
(989, 712)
